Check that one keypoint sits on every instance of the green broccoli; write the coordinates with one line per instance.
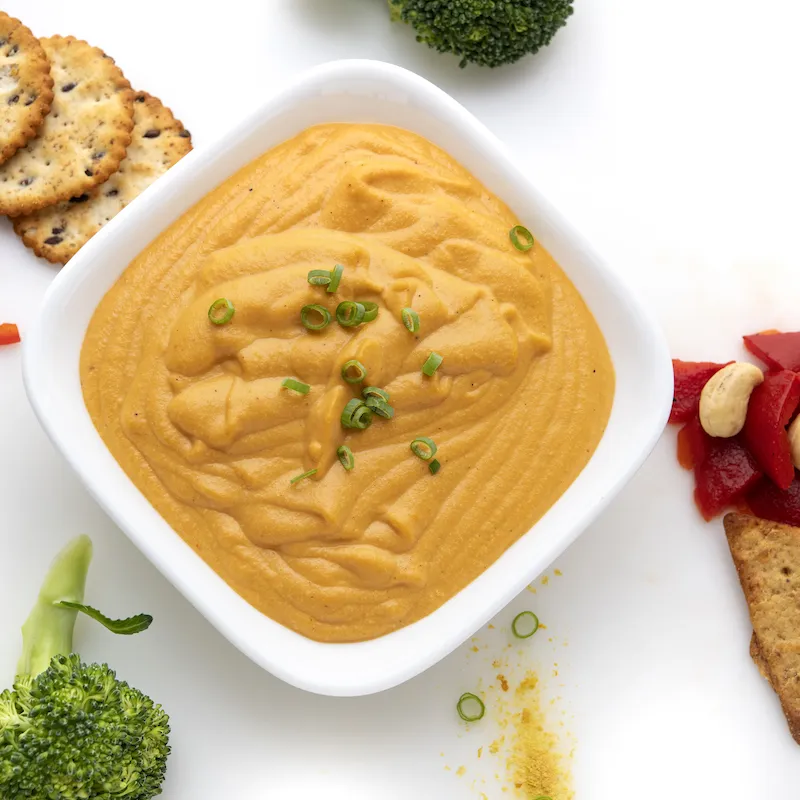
(72, 731)
(485, 32)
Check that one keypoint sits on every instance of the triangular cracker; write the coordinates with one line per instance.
(767, 558)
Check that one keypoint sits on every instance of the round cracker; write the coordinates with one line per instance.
(83, 138)
(26, 87)
(158, 141)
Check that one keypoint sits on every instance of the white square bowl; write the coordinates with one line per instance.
(346, 91)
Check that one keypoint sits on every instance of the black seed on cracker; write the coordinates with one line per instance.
(81, 198)
(95, 156)
(53, 240)
(153, 133)
(68, 87)
(14, 50)
(88, 173)
(13, 99)
(184, 134)
(112, 193)
(26, 182)
(56, 231)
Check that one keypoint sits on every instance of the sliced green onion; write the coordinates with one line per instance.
(362, 418)
(307, 314)
(346, 457)
(356, 415)
(434, 466)
(370, 310)
(221, 311)
(303, 476)
(350, 313)
(297, 386)
(432, 363)
(336, 276)
(349, 410)
(380, 407)
(410, 319)
(319, 277)
(521, 238)
(423, 448)
(543, 797)
(470, 707)
(353, 371)
(374, 391)
(525, 625)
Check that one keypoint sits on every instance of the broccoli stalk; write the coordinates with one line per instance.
(48, 630)
(485, 32)
(72, 731)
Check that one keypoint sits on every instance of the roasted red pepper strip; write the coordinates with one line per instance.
(9, 333)
(776, 350)
(693, 444)
(767, 501)
(724, 477)
(690, 378)
(772, 405)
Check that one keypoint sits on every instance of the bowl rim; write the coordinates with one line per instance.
(397, 664)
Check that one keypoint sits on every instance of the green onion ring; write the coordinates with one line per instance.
(463, 710)
(306, 313)
(350, 313)
(349, 410)
(297, 386)
(374, 391)
(362, 417)
(370, 310)
(434, 466)
(303, 476)
(360, 370)
(319, 277)
(226, 307)
(530, 619)
(410, 319)
(336, 276)
(432, 363)
(356, 415)
(380, 407)
(346, 457)
(519, 231)
(424, 448)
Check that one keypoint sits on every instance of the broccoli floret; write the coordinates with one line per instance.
(69, 730)
(485, 32)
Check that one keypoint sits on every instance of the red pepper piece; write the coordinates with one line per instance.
(777, 350)
(693, 444)
(690, 378)
(772, 405)
(767, 501)
(724, 477)
(9, 333)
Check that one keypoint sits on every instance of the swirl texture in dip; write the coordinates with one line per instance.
(196, 414)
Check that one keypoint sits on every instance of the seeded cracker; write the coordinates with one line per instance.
(84, 136)
(767, 558)
(26, 88)
(158, 141)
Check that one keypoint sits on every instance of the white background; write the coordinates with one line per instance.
(668, 132)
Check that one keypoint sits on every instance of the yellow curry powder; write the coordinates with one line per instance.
(536, 766)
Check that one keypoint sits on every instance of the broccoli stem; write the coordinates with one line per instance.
(48, 630)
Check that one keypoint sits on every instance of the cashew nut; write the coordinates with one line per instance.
(794, 441)
(724, 399)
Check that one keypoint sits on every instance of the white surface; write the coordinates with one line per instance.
(354, 91)
(668, 133)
